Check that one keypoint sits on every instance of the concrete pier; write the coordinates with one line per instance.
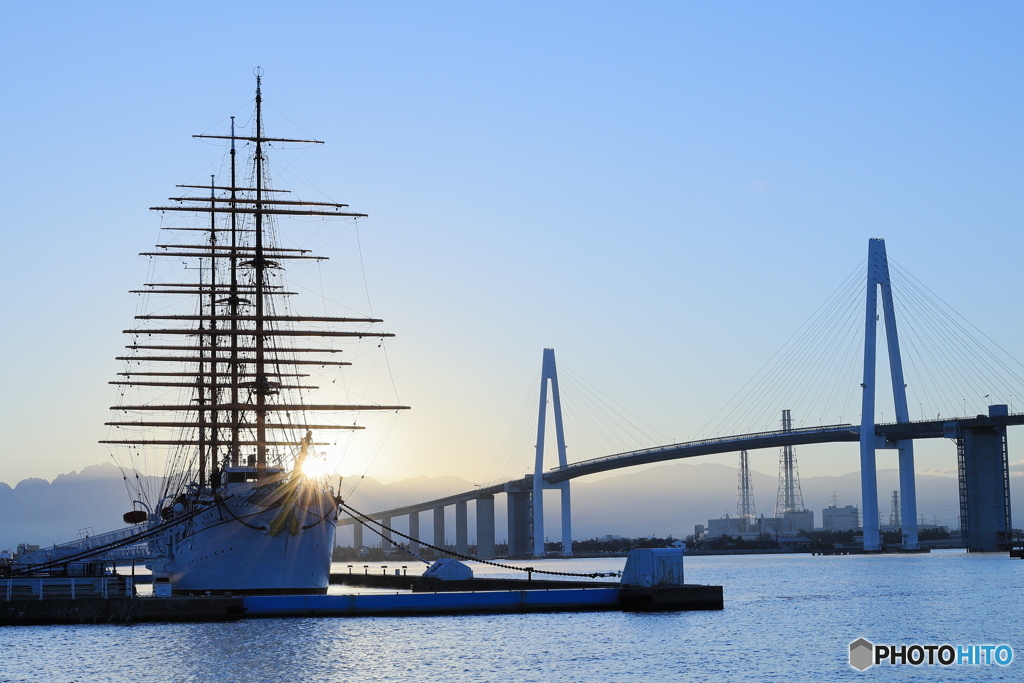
(485, 527)
(118, 610)
(439, 540)
(461, 527)
(520, 524)
(984, 499)
(414, 531)
(590, 599)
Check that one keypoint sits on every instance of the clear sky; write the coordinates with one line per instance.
(661, 191)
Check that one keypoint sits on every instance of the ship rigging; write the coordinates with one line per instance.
(221, 384)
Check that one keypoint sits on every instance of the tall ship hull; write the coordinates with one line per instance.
(219, 387)
(255, 541)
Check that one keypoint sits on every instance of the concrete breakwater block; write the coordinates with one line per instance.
(653, 568)
(653, 581)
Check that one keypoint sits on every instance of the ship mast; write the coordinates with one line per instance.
(257, 335)
(202, 381)
(262, 385)
(233, 299)
(214, 396)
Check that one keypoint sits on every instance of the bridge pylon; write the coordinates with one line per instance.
(878, 279)
(549, 373)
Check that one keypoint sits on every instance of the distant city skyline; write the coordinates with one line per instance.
(662, 193)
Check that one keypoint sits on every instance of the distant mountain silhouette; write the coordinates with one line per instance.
(663, 500)
(43, 512)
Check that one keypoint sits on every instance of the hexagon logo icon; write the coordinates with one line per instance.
(862, 654)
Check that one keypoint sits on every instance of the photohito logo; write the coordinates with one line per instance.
(864, 653)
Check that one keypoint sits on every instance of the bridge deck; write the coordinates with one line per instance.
(890, 432)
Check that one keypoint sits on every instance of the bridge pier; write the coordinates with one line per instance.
(485, 527)
(520, 524)
(566, 520)
(439, 526)
(357, 535)
(983, 462)
(908, 495)
(385, 534)
(461, 528)
(414, 531)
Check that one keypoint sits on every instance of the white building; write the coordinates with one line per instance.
(844, 518)
(798, 520)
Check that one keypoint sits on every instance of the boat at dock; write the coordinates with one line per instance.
(216, 386)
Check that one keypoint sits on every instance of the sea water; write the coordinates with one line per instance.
(786, 617)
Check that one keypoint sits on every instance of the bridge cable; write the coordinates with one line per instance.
(516, 438)
(789, 368)
(994, 372)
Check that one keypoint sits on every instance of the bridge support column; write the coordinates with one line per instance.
(461, 528)
(549, 372)
(485, 527)
(566, 520)
(520, 524)
(357, 535)
(984, 498)
(439, 526)
(385, 535)
(908, 495)
(878, 278)
(414, 531)
(868, 473)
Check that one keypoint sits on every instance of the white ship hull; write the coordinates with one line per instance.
(257, 540)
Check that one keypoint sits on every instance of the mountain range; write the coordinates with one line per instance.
(662, 500)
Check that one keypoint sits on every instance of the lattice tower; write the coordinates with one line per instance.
(894, 511)
(790, 498)
(745, 498)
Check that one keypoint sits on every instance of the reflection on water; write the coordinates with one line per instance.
(786, 618)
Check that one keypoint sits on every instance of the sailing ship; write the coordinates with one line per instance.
(238, 508)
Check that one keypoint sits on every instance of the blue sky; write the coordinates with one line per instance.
(663, 192)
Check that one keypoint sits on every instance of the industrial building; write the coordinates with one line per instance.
(846, 518)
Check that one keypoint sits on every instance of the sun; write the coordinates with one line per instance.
(314, 467)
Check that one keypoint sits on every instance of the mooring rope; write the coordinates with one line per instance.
(360, 517)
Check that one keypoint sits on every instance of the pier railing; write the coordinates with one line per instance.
(71, 581)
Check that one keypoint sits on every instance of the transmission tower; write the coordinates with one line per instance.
(894, 511)
(789, 499)
(745, 499)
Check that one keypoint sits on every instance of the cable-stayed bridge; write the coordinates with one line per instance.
(982, 453)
